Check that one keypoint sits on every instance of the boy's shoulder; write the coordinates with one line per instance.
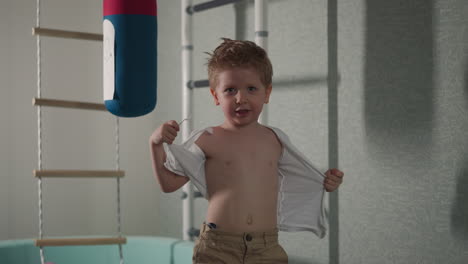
(197, 133)
(204, 134)
(280, 134)
(209, 136)
(204, 137)
(194, 136)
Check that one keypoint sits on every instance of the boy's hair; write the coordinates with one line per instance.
(239, 53)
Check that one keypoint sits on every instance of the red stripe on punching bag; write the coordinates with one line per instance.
(130, 7)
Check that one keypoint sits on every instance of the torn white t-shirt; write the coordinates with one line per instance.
(301, 191)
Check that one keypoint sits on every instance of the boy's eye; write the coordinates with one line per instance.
(251, 88)
(229, 90)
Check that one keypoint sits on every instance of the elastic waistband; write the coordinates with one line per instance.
(268, 236)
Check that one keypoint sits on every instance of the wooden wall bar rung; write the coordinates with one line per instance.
(66, 34)
(78, 173)
(69, 104)
(51, 242)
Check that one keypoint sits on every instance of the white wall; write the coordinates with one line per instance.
(5, 131)
(72, 139)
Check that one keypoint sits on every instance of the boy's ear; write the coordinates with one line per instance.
(215, 96)
(268, 92)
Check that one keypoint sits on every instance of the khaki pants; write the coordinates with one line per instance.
(215, 246)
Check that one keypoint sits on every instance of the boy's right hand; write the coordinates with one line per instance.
(167, 133)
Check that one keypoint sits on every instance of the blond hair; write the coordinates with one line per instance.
(239, 53)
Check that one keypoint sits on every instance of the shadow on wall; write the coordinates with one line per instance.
(459, 223)
(399, 85)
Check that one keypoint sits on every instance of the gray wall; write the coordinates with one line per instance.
(402, 107)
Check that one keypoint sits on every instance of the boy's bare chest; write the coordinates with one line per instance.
(238, 151)
(242, 180)
(238, 161)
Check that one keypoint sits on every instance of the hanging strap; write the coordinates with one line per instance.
(117, 167)
(39, 126)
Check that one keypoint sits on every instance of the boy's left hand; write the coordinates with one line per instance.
(333, 180)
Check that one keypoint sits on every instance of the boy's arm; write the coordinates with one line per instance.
(168, 181)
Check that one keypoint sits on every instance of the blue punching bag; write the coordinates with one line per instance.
(130, 56)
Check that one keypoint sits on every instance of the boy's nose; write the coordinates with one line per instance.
(241, 98)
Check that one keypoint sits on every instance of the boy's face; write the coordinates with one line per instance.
(241, 95)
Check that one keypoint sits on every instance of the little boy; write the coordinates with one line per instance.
(256, 182)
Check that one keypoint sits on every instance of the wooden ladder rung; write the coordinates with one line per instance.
(79, 173)
(68, 104)
(52, 242)
(66, 34)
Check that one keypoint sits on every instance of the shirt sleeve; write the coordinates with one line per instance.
(188, 160)
(301, 192)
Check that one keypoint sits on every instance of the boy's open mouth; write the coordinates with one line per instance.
(242, 112)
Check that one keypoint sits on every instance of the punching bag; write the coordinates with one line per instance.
(130, 56)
